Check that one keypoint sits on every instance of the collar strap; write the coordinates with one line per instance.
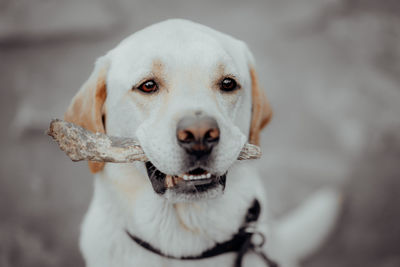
(241, 243)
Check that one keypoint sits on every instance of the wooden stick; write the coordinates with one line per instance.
(81, 144)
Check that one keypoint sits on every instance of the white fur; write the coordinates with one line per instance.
(124, 198)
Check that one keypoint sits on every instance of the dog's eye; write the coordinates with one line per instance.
(228, 85)
(148, 87)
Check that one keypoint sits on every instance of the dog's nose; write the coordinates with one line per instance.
(197, 135)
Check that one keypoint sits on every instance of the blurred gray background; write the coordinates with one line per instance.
(331, 69)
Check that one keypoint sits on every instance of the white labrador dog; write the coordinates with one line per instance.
(190, 95)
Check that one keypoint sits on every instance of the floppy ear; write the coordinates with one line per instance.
(87, 106)
(261, 110)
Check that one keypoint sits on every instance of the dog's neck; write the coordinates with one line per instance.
(136, 207)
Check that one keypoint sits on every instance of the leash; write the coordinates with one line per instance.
(247, 239)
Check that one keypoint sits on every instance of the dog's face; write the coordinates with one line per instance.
(188, 94)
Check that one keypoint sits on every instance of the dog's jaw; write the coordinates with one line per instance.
(177, 189)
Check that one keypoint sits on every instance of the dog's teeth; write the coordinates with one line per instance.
(187, 177)
(169, 181)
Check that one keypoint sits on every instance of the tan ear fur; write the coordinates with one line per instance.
(86, 108)
(261, 110)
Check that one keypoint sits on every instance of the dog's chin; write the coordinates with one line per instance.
(196, 184)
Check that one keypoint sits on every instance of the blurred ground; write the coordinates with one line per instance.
(331, 69)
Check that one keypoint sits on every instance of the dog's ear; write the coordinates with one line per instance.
(261, 109)
(87, 106)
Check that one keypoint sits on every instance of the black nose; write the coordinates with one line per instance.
(197, 135)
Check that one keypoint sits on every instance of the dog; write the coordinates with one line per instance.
(190, 95)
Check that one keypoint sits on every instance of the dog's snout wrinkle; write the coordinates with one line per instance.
(198, 135)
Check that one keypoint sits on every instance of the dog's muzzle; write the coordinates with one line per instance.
(197, 135)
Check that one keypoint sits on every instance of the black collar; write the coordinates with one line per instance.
(241, 243)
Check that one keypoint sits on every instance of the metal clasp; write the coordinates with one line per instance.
(257, 238)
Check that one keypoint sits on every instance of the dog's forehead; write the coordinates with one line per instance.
(180, 44)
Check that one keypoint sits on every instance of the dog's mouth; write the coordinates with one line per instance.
(195, 181)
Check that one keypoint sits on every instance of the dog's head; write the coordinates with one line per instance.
(190, 96)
